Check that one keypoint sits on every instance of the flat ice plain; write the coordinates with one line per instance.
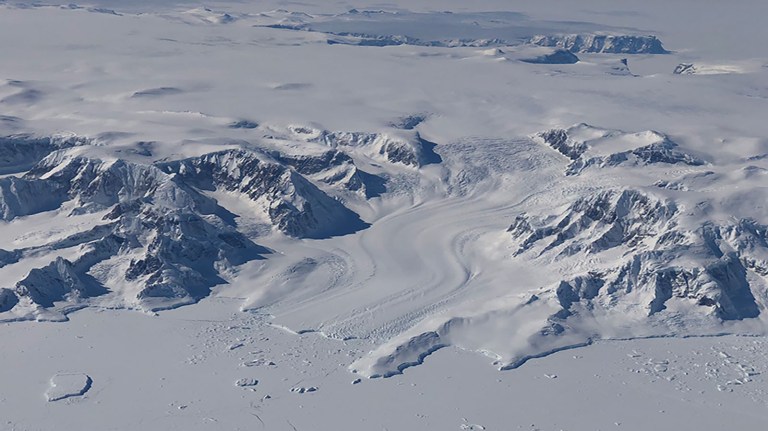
(415, 215)
(176, 371)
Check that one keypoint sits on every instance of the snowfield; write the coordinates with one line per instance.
(239, 212)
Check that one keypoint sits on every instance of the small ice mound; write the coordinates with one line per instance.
(157, 92)
(73, 6)
(493, 52)
(558, 56)
(304, 390)
(243, 124)
(465, 425)
(10, 123)
(67, 385)
(409, 122)
(292, 86)
(210, 16)
(26, 96)
(621, 68)
(258, 362)
(246, 382)
(8, 299)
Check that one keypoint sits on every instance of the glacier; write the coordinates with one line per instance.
(296, 197)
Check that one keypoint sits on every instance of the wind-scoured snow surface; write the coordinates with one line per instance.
(413, 176)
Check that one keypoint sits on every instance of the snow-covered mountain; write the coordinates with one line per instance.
(587, 146)
(160, 239)
(214, 212)
(429, 193)
(452, 30)
(610, 251)
(611, 44)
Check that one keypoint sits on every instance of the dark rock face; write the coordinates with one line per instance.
(51, 283)
(558, 139)
(8, 299)
(382, 40)
(409, 122)
(721, 286)
(310, 165)
(602, 221)
(595, 43)
(708, 266)
(163, 235)
(175, 241)
(243, 124)
(684, 69)
(415, 152)
(664, 150)
(21, 152)
(295, 205)
(335, 168)
(559, 56)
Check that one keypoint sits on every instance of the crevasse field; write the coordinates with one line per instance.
(424, 215)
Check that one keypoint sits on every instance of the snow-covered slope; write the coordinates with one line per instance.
(408, 177)
(231, 205)
(160, 241)
(589, 146)
(608, 251)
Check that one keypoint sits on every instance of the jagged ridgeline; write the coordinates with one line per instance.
(664, 252)
(379, 28)
(662, 264)
(589, 147)
(156, 236)
(626, 235)
(602, 43)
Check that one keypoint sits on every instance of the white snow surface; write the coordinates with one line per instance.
(376, 186)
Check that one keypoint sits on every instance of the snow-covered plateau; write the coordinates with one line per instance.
(315, 216)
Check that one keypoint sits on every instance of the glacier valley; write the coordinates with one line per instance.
(280, 215)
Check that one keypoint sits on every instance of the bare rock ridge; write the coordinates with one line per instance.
(558, 56)
(409, 122)
(595, 223)
(685, 69)
(572, 43)
(379, 28)
(602, 43)
(589, 147)
(707, 266)
(407, 148)
(334, 168)
(294, 205)
(21, 152)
